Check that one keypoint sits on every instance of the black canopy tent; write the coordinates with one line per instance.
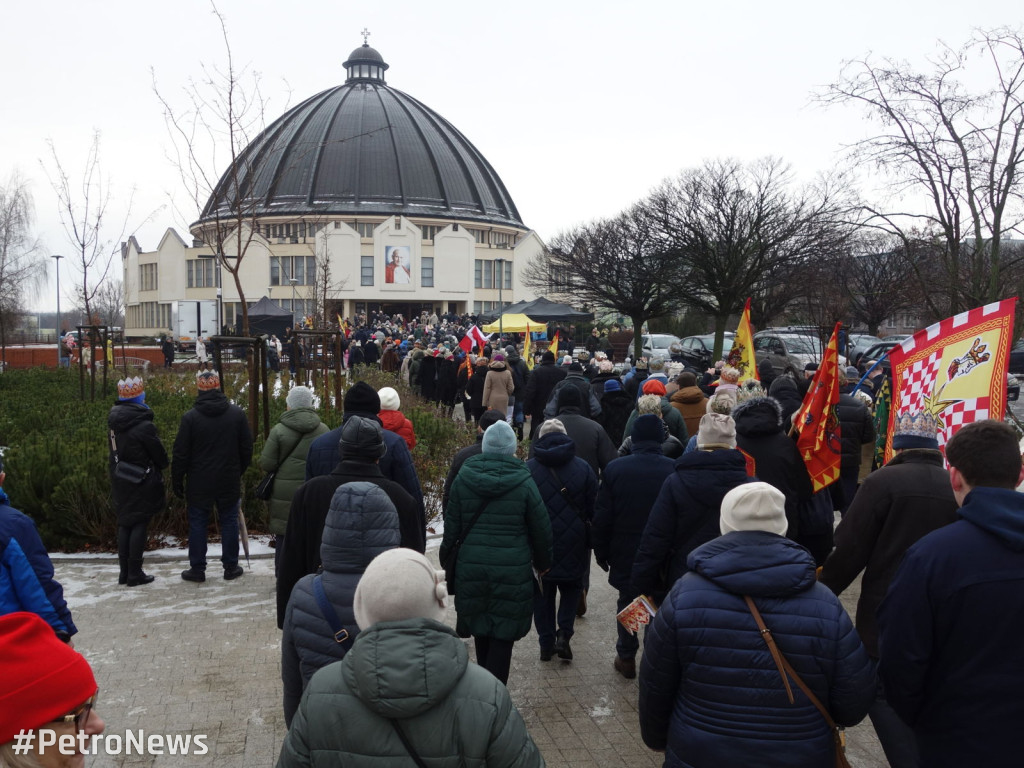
(266, 317)
(544, 310)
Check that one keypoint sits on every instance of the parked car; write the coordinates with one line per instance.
(697, 351)
(657, 345)
(1017, 358)
(876, 351)
(858, 344)
(789, 352)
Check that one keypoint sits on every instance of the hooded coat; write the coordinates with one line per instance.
(616, 408)
(498, 387)
(592, 443)
(361, 523)
(589, 405)
(294, 433)
(137, 443)
(949, 635)
(494, 575)
(571, 550)
(447, 380)
(629, 487)
(710, 691)
(776, 458)
(784, 390)
(395, 421)
(212, 449)
(685, 515)
(475, 385)
(691, 403)
(453, 713)
(673, 420)
(539, 387)
(428, 377)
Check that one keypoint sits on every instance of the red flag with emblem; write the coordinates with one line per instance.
(817, 421)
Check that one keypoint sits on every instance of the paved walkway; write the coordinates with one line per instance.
(191, 659)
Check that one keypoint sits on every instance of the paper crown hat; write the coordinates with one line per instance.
(129, 388)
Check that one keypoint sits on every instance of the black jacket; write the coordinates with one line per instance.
(306, 519)
(855, 428)
(539, 387)
(896, 505)
(616, 407)
(212, 450)
(777, 460)
(137, 443)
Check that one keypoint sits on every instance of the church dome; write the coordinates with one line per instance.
(364, 148)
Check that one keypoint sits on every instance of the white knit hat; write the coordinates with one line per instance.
(399, 584)
(754, 507)
(717, 430)
(389, 400)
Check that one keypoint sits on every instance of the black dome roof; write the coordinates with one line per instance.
(364, 148)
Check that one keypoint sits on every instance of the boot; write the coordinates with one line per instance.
(136, 576)
(122, 578)
(581, 606)
(519, 432)
(562, 649)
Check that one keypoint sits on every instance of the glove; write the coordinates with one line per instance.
(603, 565)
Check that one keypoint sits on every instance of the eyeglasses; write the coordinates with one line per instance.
(80, 716)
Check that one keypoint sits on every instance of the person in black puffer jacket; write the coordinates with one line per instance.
(629, 487)
(138, 442)
(685, 514)
(212, 449)
(856, 428)
(361, 523)
(776, 458)
(616, 408)
(569, 487)
(711, 692)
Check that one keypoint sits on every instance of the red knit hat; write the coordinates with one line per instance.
(43, 678)
(654, 387)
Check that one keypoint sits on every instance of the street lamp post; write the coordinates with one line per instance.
(218, 279)
(293, 281)
(500, 264)
(58, 257)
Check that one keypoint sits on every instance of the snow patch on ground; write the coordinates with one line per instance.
(602, 709)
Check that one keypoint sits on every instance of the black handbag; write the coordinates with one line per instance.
(453, 556)
(265, 489)
(126, 471)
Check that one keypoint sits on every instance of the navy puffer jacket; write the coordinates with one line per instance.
(629, 487)
(685, 515)
(362, 523)
(710, 693)
(557, 451)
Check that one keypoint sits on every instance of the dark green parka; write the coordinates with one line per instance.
(494, 576)
(297, 429)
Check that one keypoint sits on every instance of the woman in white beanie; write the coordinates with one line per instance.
(711, 690)
(392, 418)
(406, 693)
(285, 453)
(498, 515)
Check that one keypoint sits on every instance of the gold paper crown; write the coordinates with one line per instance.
(129, 388)
(207, 380)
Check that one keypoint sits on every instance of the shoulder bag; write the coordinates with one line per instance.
(408, 747)
(588, 529)
(341, 635)
(453, 556)
(784, 667)
(126, 471)
(265, 489)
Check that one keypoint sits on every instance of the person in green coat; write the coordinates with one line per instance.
(285, 452)
(405, 693)
(494, 578)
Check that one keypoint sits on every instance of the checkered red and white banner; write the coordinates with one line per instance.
(955, 370)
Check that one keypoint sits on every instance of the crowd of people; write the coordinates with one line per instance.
(684, 487)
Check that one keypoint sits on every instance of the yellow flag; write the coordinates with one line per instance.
(554, 346)
(741, 356)
(527, 354)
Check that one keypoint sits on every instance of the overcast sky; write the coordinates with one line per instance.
(581, 107)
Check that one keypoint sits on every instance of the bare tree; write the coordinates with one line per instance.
(109, 303)
(84, 207)
(736, 230)
(957, 147)
(878, 279)
(616, 264)
(22, 263)
(225, 106)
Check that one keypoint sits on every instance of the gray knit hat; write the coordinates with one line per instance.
(363, 437)
(399, 584)
(499, 438)
(717, 430)
(300, 397)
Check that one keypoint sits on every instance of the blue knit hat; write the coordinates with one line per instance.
(499, 438)
(647, 428)
(612, 385)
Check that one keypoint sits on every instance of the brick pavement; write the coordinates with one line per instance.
(175, 657)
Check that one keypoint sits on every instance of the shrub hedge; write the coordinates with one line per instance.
(56, 449)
